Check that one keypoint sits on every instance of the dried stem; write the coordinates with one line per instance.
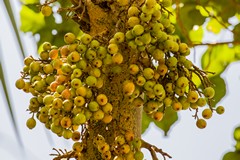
(153, 150)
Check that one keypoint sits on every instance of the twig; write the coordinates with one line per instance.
(153, 150)
(215, 44)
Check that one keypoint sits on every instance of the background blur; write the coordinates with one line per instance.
(184, 142)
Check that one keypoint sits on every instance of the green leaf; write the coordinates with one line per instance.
(231, 156)
(146, 120)
(9, 105)
(217, 58)
(214, 26)
(189, 21)
(170, 117)
(30, 1)
(196, 35)
(30, 20)
(219, 87)
(12, 19)
(236, 32)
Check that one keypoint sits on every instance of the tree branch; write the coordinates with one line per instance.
(215, 44)
(153, 150)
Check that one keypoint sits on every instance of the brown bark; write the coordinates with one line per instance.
(104, 19)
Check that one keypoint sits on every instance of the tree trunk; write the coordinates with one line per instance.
(102, 20)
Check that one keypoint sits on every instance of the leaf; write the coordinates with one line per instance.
(236, 32)
(196, 35)
(231, 156)
(168, 120)
(196, 17)
(10, 108)
(30, 20)
(217, 58)
(214, 26)
(12, 19)
(146, 120)
(30, 1)
(219, 87)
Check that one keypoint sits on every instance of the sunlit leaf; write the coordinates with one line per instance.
(168, 120)
(196, 35)
(30, 20)
(13, 22)
(214, 26)
(30, 1)
(219, 87)
(217, 58)
(232, 156)
(146, 120)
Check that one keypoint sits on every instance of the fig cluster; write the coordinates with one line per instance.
(68, 82)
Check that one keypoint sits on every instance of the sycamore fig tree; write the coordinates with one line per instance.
(126, 63)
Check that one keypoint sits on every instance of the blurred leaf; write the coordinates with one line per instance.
(12, 19)
(217, 58)
(9, 105)
(219, 87)
(146, 120)
(30, 20)
(168, 120)
(196, 17)
(214, 26)
(231, 156)
(236, 32)
(196, 35)
(30, 1)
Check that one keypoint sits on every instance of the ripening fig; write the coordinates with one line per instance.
(201, 123)
(150, 3)
(31, 123)
(79, 101)
(117, 58)
(78, 147)
(138, 30)
(79, 119)
(128, 88)
(46, 46)
(112, 48)
(133, 69)
(145, 17)
(90, 54)
(101, 99)
(94, 44)
(98, 115)
(46, 10)
(20, 83)
(93, 106)
(182, 82)
(192, 96)
(69, 38)
(91, 81)
(119, 37)
(107, 108)
(86, 38)
(207, 113)
(67, 133)
(107, 118)
(148, 73)
(158, 89)
(177, 106)
(138, 155)
(209, 92)
(66, 122)
(133, 21)
(166, 3)
(220, 110)
(133, 11)
(201, 102)
(158, 116)
(76, 83)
